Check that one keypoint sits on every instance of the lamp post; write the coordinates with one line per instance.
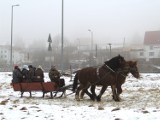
(91, 39)
(12, 32)
(62, 41)
(91, 54)
(110, 49)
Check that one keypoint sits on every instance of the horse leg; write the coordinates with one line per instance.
(114, 91)
(92, 96)
(77, 92)
(119, 91)
(93, 87)
(101, 93)
(87, 92)
(82, 94)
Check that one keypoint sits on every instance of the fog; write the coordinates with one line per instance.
(110, 20)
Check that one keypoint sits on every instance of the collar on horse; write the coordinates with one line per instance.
(97, 71)
(100, 79)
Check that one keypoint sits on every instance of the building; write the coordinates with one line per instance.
(151, 47)
(18, 56)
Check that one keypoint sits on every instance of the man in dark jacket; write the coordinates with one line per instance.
(54, 75)
(25, 72)
(31, 74)
(17, 75)
(39, 74)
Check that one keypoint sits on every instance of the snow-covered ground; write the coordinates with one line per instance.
(140, 101)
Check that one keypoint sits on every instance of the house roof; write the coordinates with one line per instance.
(152, 38)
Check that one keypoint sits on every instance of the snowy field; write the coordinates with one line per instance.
(140, 100)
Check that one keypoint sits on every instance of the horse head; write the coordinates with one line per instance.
(134, 69)
(116, 62)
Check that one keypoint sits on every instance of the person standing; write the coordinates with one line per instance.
(17, 75)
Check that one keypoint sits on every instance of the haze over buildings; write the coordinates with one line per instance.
(110, 20)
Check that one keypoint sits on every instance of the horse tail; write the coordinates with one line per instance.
(75, 82)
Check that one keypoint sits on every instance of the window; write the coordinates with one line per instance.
(151, 47)
(141, 53)
(151, 53)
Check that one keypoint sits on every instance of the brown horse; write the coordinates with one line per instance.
(121, 74)
(98, 76)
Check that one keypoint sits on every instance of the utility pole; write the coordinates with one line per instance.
(62, 66)
(11, 61)
(110, 50)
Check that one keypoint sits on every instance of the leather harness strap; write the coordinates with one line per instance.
(110, 68)
(98, 76)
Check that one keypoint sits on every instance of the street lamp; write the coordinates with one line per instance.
(12, 32)
(62, 42)
(110, 49)
(91, 39)
(91, 54)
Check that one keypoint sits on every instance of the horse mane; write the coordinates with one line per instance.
(115, 62)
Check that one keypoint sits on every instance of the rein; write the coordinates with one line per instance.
(110, 68)
(118, 72)
(101, 79)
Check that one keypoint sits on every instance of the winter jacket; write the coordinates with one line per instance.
(39, 75)
(25, 74)
(17, 76)
(54, 75)
(31, 74)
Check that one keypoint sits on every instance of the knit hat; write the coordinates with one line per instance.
(16, 67)
(25, 67)
(53, 67)
(30, 66)
(40, 67)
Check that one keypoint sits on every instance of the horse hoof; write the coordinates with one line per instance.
(92, 98)
(117, 99)
(77, 98)
(98, 99)
(113, 97)
(81, 97)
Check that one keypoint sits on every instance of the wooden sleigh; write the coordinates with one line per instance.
(43, 87)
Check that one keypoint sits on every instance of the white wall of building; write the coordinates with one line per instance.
(17, 56)
(149, 52)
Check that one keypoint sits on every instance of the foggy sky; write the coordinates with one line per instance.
(110, 20)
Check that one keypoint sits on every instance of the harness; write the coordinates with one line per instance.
(102, 79)
(98, 75)
(97, 71)
(110, 68)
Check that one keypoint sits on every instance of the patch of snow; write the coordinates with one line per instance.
(139, 101)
